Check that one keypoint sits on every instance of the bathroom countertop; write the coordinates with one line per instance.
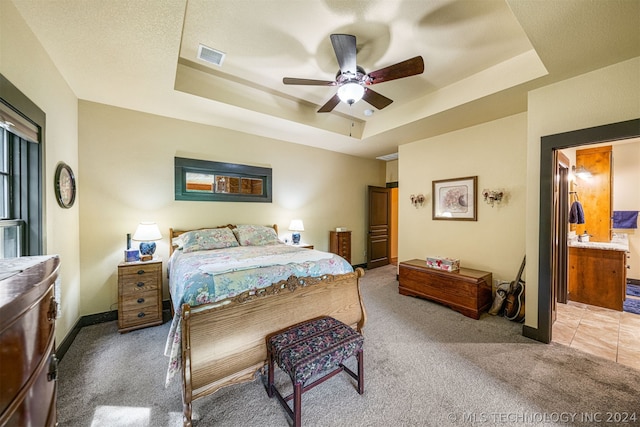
(618, 243)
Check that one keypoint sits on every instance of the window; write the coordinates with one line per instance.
(222, 182)
(21, 177)
(4, 175)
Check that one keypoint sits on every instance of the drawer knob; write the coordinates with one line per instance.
(141, 314)
(140, 271)
(140, 300)
(140, 284)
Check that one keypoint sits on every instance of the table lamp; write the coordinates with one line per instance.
(146, 233)
(296, 226)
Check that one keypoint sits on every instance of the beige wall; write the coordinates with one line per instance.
(495, 152)
(392, 171)
(126, 167)
(608, 95)
(27, 66)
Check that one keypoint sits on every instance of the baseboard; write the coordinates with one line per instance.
(634, 281)
(61, 349)
(535, 334)
(363, 266)
(95, 319)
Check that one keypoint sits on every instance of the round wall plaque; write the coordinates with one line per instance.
(65, 184)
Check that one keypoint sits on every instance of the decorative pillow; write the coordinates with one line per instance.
(210, 238)
(256, 235)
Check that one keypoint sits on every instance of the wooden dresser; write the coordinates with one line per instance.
(28, 366)
(466, 291)
(139, 294)
(340, 244)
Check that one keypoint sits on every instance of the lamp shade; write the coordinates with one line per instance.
(296, 225)
(146, 232)
(350, 93)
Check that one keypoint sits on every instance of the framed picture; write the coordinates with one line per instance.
(455, 199)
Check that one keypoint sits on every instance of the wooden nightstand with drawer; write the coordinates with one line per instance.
(139, 294)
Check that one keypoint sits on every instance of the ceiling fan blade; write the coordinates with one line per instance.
(345, 47)
(307, 82)
(375, 99)
(407, 68)
(330, 105)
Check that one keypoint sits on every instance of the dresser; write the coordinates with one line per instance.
(340, 244)
(28, 366)
(139, 294)
(467, 291)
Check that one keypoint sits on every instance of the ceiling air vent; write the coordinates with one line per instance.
(212, 56)
(388, 157)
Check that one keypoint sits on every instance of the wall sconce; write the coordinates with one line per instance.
(581, 172)
(492, 196)
(417, 199)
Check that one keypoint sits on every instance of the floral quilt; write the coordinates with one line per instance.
(193, 281)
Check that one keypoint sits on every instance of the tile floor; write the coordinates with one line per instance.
(611, 334)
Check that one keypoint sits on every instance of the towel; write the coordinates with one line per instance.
(576, 214)
(625, 219)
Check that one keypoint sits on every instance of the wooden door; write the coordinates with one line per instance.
(378, 239)
(595, 193)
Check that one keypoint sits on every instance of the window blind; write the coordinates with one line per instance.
(17, 124)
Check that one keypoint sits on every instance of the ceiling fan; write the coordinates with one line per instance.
(351, 79)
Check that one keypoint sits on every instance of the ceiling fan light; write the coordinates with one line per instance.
(350, 93)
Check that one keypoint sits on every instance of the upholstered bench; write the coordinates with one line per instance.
(316, 348)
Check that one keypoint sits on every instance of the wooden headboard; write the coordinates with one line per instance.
(175, 233)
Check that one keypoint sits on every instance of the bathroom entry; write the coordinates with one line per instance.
(549, 145)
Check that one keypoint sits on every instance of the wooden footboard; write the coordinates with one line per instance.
(224, 343)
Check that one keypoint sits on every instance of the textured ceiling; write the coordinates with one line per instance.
(481, 57)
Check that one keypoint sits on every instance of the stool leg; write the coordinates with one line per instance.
(297, 405)
(270, 375)
(361, 371)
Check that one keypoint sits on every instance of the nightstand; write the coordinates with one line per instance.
(139, 294)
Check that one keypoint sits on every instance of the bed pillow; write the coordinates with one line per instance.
(256, 235)
(210, 238)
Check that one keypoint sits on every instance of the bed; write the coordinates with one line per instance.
(233, 285)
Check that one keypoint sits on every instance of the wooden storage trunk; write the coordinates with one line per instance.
(467, 291)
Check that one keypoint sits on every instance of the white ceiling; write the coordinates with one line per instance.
(481, 57)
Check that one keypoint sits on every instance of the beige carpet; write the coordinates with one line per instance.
(425, 365)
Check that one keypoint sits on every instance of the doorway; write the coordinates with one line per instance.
(379, 225)
(549, 146)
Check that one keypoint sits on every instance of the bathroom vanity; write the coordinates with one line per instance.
(598, 273)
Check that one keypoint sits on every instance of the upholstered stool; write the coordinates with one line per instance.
(308, 349)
